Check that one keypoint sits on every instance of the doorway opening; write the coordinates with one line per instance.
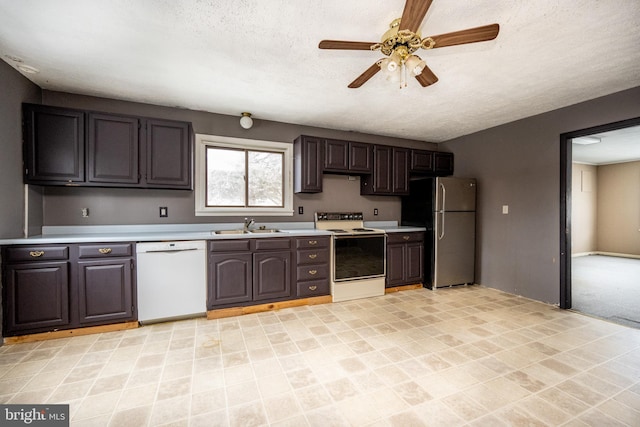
(600, 221)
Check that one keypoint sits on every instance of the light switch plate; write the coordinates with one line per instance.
(505, 209)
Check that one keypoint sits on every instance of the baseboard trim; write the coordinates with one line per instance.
(616, 254)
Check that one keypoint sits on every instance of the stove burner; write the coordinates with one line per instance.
(337, 230)
(362, 229)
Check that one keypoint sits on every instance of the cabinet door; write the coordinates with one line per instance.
(336, 156)
(105, 291)
(169, 154)
(400, 171)
(381, 180)
(230, 279)
(308, 162)
(443, 164)
(359, 157)
(414, 271)
(36, 297)
(271, 275)
(396, 255)
(54, 145)
(113, 149)
(421, 161)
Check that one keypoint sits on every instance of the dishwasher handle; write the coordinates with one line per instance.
(168, 251)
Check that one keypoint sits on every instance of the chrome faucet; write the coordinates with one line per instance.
(248, 223)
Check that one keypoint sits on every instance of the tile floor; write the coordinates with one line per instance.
(467, 356)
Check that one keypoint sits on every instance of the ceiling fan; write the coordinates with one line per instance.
(403, 39)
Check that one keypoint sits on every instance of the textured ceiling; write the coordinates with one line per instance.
(617, 146)
(261, 56)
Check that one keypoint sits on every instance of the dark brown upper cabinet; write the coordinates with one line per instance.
(113, 149)
(443, 163)
(54, 145)
(347, 157)
(87, 148)
(169, 154)
(308, 159)
(421, 161)
(431, 163)
(390, 175)
(400, 171)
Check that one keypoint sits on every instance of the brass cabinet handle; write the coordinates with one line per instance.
(313, 256)
(36, 254)
(104, 251)
(406, 237)
(313, 242)
(313, 272)
(313, 288)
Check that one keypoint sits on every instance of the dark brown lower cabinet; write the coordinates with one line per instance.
(271, 275)
(405, 252)
(105, 290)
(36, 297)
(246, 272)
(55, 287)
(230, 279)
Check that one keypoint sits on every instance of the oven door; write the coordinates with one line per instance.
(358, 256)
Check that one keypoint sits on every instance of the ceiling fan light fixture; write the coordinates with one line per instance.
(395, 60)
(415, 64)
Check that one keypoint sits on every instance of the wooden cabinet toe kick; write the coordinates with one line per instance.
(88, 330)
(272, 306)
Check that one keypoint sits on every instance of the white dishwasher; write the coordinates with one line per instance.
(172, 280)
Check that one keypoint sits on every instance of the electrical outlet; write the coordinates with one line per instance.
(85, 212)
(300, 210)
(164, 212)
(505, 209)
(375, 211)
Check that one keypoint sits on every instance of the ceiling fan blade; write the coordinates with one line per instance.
(472, 35)
(347, 45)
(427, 77)
(362, 78)
(413, 14)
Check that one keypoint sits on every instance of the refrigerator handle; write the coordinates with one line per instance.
(441, 235)
(444, 197)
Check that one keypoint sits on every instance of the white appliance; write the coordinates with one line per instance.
(358, 256)
(172, 280)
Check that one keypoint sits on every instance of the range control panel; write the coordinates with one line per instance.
(339, 216)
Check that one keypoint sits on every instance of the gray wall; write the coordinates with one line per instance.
(518, 164)
(62, 206)
(15, 90)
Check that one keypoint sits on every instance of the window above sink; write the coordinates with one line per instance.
(237, 176)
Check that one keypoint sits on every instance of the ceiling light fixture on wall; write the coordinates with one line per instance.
(586, 140)
(246, 121)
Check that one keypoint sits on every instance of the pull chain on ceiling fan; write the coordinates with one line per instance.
(403, 39)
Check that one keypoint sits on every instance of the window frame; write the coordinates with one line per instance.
(203, 141)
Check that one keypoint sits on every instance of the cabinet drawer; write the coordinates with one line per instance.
(312, 272)
(312, 242)
(271, 244)
(405, 237)
(230, 245)
(313, 288)
(37, 253)
(105, 250)
(312, 256)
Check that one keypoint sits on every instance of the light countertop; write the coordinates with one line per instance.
(176, 232)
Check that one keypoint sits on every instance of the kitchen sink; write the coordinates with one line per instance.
(265, 230)
(230, 232)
